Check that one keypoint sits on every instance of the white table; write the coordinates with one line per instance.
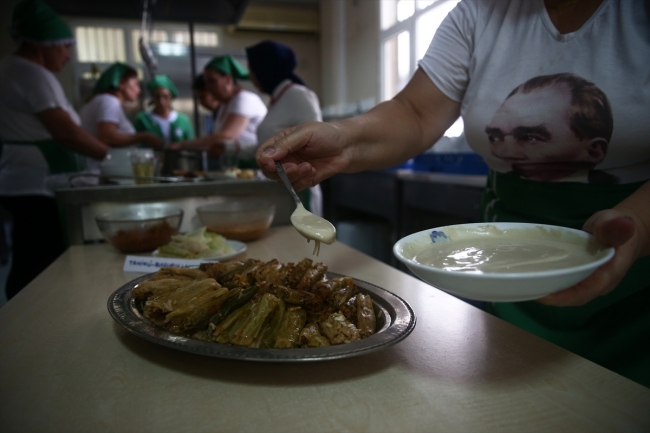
(66, 366)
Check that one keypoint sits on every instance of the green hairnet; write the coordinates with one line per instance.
(229, 66)
(110, 78)
(162, 81)
(35, 22)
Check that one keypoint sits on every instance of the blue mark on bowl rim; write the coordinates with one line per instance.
(438, 236)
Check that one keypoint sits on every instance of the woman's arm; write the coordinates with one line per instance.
(390, 133)
(107, 132)
(70, 135)
(230, 130)
(626, 227)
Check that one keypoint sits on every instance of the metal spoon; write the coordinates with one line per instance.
(310, 226)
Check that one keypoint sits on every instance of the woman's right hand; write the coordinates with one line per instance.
(310, 153)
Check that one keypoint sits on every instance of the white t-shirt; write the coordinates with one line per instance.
(105, 108)
(247, 104)
(26, 89)
(485, 49)
(291, 104)
(165, 123)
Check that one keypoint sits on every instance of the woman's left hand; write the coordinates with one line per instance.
(616, 228)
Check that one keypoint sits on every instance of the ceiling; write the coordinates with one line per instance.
(199, 11)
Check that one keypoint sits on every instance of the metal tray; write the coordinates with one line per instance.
(395, 321)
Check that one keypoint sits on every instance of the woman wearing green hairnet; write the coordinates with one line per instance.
(240, 111)
(104, 116)
(163, 120)
(39, 136)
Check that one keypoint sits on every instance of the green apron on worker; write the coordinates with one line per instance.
(58, 158)
(611, 330)
(179, 130)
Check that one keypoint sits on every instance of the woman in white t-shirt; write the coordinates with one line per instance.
(555, 95)
(39, 138)
(271, 66)
(104, 117)
(240, 111)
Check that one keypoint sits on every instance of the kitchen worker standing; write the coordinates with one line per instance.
(39, 138)
(271, 65)
(240, 111)
(104, 116)
(163, 120)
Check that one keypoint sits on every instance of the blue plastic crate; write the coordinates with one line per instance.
(456, 163)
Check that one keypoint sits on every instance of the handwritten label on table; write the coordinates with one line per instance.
(152, 264)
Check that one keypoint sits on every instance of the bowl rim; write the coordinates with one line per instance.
(103, 217)
(502, 275)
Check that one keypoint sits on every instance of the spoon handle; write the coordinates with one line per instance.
(286, 182)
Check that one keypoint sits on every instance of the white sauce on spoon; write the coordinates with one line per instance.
(313, 227)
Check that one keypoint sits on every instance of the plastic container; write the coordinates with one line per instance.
(242, 219)
(455, 163)
(138, 228)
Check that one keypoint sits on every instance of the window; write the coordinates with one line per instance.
(100, 44)
(407, 29)
(396, 59)
(201, 39)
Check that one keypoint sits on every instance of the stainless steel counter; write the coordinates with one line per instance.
(394, 203)
(80, 205)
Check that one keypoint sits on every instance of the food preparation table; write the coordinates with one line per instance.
(66, 366)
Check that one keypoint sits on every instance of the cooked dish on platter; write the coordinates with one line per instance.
(258, 304)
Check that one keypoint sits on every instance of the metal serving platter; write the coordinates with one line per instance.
(395, 321)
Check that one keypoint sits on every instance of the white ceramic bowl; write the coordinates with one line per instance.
(500, 286)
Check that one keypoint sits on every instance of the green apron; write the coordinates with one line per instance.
(612, 330)
(179, 130)
(58, 158)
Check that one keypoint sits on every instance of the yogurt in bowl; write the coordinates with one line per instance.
(502, 262)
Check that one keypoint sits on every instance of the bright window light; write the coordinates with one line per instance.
(100, 44)
(428, 23)
(455, 130)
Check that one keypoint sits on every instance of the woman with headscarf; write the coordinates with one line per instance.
(206, 100)
(271, 66)
(39, 136)
(163, 121)
(240, 111)
(104, 116)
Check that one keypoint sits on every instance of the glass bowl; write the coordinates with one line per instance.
(242, 219)
(510, 284)
(138, 228)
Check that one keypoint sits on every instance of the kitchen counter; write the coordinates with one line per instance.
(394, 203)
(81, 204)
(66, 366)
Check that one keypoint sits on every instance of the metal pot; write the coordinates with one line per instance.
(185, 161)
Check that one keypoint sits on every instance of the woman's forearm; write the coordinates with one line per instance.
(117, 139)
(86, 144)
(401, 128)
(70, 135)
